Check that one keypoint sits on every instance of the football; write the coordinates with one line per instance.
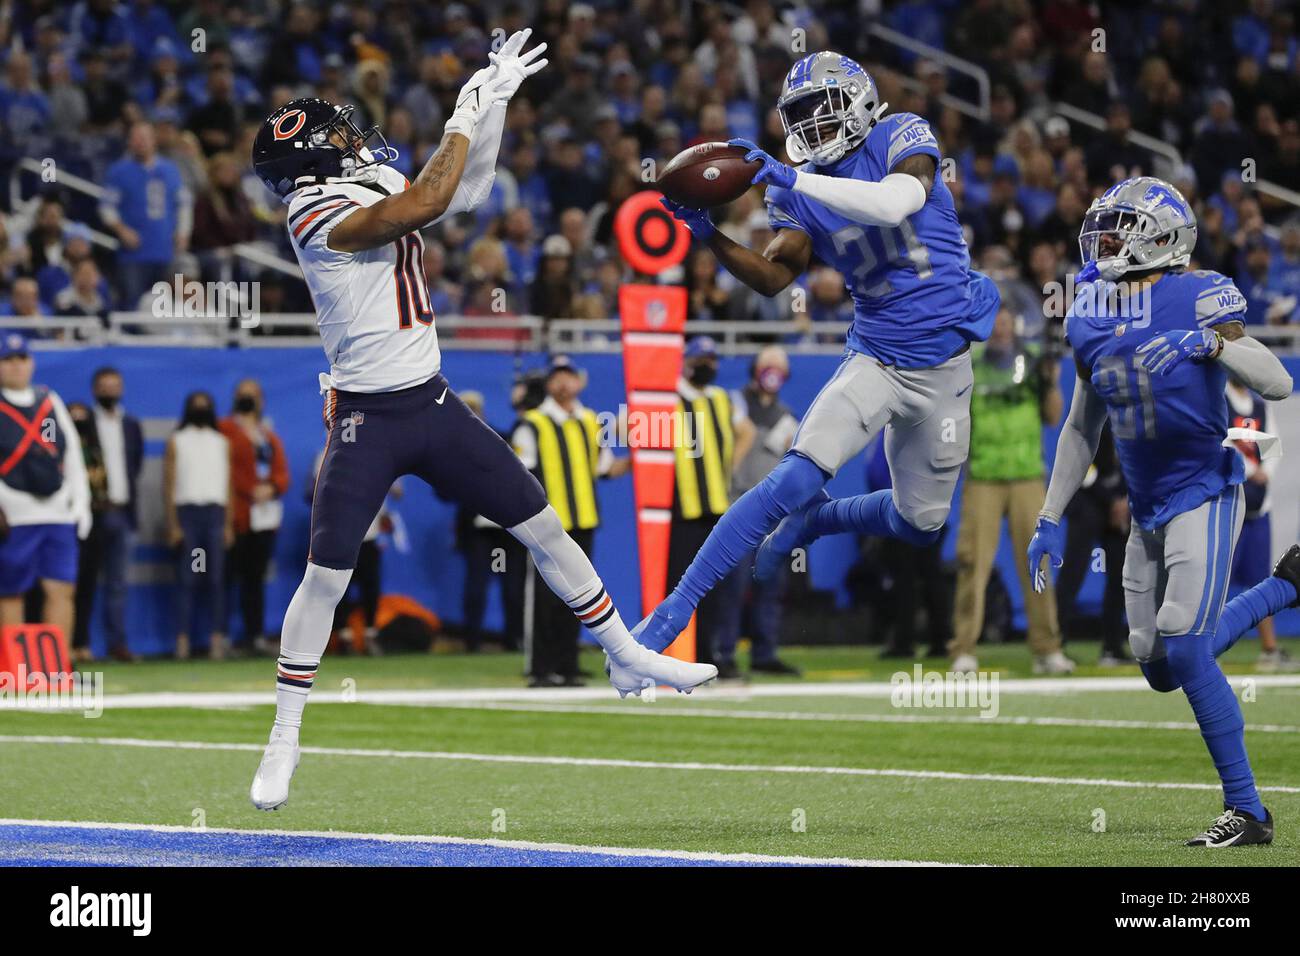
(707, 175)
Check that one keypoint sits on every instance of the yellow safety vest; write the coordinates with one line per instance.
(704, 447)
(567, 457)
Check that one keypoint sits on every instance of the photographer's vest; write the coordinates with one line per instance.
(31, 445)
(568, 457)
(704, 447)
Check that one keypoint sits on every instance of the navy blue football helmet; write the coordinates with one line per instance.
(309, 140)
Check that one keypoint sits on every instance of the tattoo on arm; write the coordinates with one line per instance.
(1231, 330)
(921, 166)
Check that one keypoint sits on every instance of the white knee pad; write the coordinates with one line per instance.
(1146, 645)
(1174, 618)
(928, 518)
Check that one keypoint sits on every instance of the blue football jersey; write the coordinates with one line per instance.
(1168, 429)
(913, 301)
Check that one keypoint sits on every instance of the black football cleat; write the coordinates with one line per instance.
(1236, 828)
(1288, 569)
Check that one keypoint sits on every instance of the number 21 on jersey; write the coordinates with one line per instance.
(1126, 387)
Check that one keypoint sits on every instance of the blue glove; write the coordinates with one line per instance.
(1046, 542)
(773, 171)
(1089, 273)
(696, 220)
(1164, 353)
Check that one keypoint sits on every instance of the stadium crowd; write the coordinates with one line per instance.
(158, 102)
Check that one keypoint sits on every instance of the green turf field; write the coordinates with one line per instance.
(813, 768)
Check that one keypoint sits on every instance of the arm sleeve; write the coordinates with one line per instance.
(1258, 368)
(480, 163)
(886, 203)
(1075, 449)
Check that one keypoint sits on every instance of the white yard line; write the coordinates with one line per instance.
(557, 761)
(815, 716)
(686, 855)
(324, 694)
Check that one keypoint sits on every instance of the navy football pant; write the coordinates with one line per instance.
(426, 431)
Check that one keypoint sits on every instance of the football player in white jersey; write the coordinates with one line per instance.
(354, 223)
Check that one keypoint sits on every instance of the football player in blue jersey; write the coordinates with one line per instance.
(866, 197)
(1154, 344)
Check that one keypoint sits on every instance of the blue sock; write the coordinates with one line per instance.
(790, 485)
(1219, 716)
(874, 514)
(1249, 608)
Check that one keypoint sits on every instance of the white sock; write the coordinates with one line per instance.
(303, 638)
(568, 572)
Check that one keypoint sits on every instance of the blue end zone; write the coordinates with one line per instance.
(42, 845)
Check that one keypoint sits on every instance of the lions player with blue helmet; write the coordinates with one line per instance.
(865, 197)
(1154, 344)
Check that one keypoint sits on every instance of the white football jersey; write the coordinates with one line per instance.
(372, 307)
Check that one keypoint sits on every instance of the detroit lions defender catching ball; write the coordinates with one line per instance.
(354, 224)
(1153, 347)
(868, 200)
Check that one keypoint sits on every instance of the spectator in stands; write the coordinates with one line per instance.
(223, 216)
(259, 479)
(554, 289)
(44, 492)
(150, 212)
(1016, 392)
(1220, 143)
(196, 499)
(444, 295)
(708, 300)
(25, 300)
(1111, 157)
(118, 443)
(24, 110)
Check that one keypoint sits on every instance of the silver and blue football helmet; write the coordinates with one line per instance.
(828, 105)
(1152, 224)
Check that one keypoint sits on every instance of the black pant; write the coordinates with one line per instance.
(555, 626)
(426, 431)
(482, 548)
(919, 579)
(684, 543)
(250, 556)
(1088, 523)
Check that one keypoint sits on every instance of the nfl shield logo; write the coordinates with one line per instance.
(358, 418)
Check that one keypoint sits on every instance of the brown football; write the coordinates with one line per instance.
(707, 175)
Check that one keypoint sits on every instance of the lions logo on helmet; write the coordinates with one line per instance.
(310, 140)
(1138, 225)
(828, 105)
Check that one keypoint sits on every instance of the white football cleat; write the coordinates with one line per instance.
(965, 664)
(1054, 664)
(649, 669)
(270, 789)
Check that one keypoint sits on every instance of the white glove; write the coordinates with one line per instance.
(514, 67)
(473, 100)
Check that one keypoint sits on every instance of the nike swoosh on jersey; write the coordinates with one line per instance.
(438, 400)
(963, 391)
